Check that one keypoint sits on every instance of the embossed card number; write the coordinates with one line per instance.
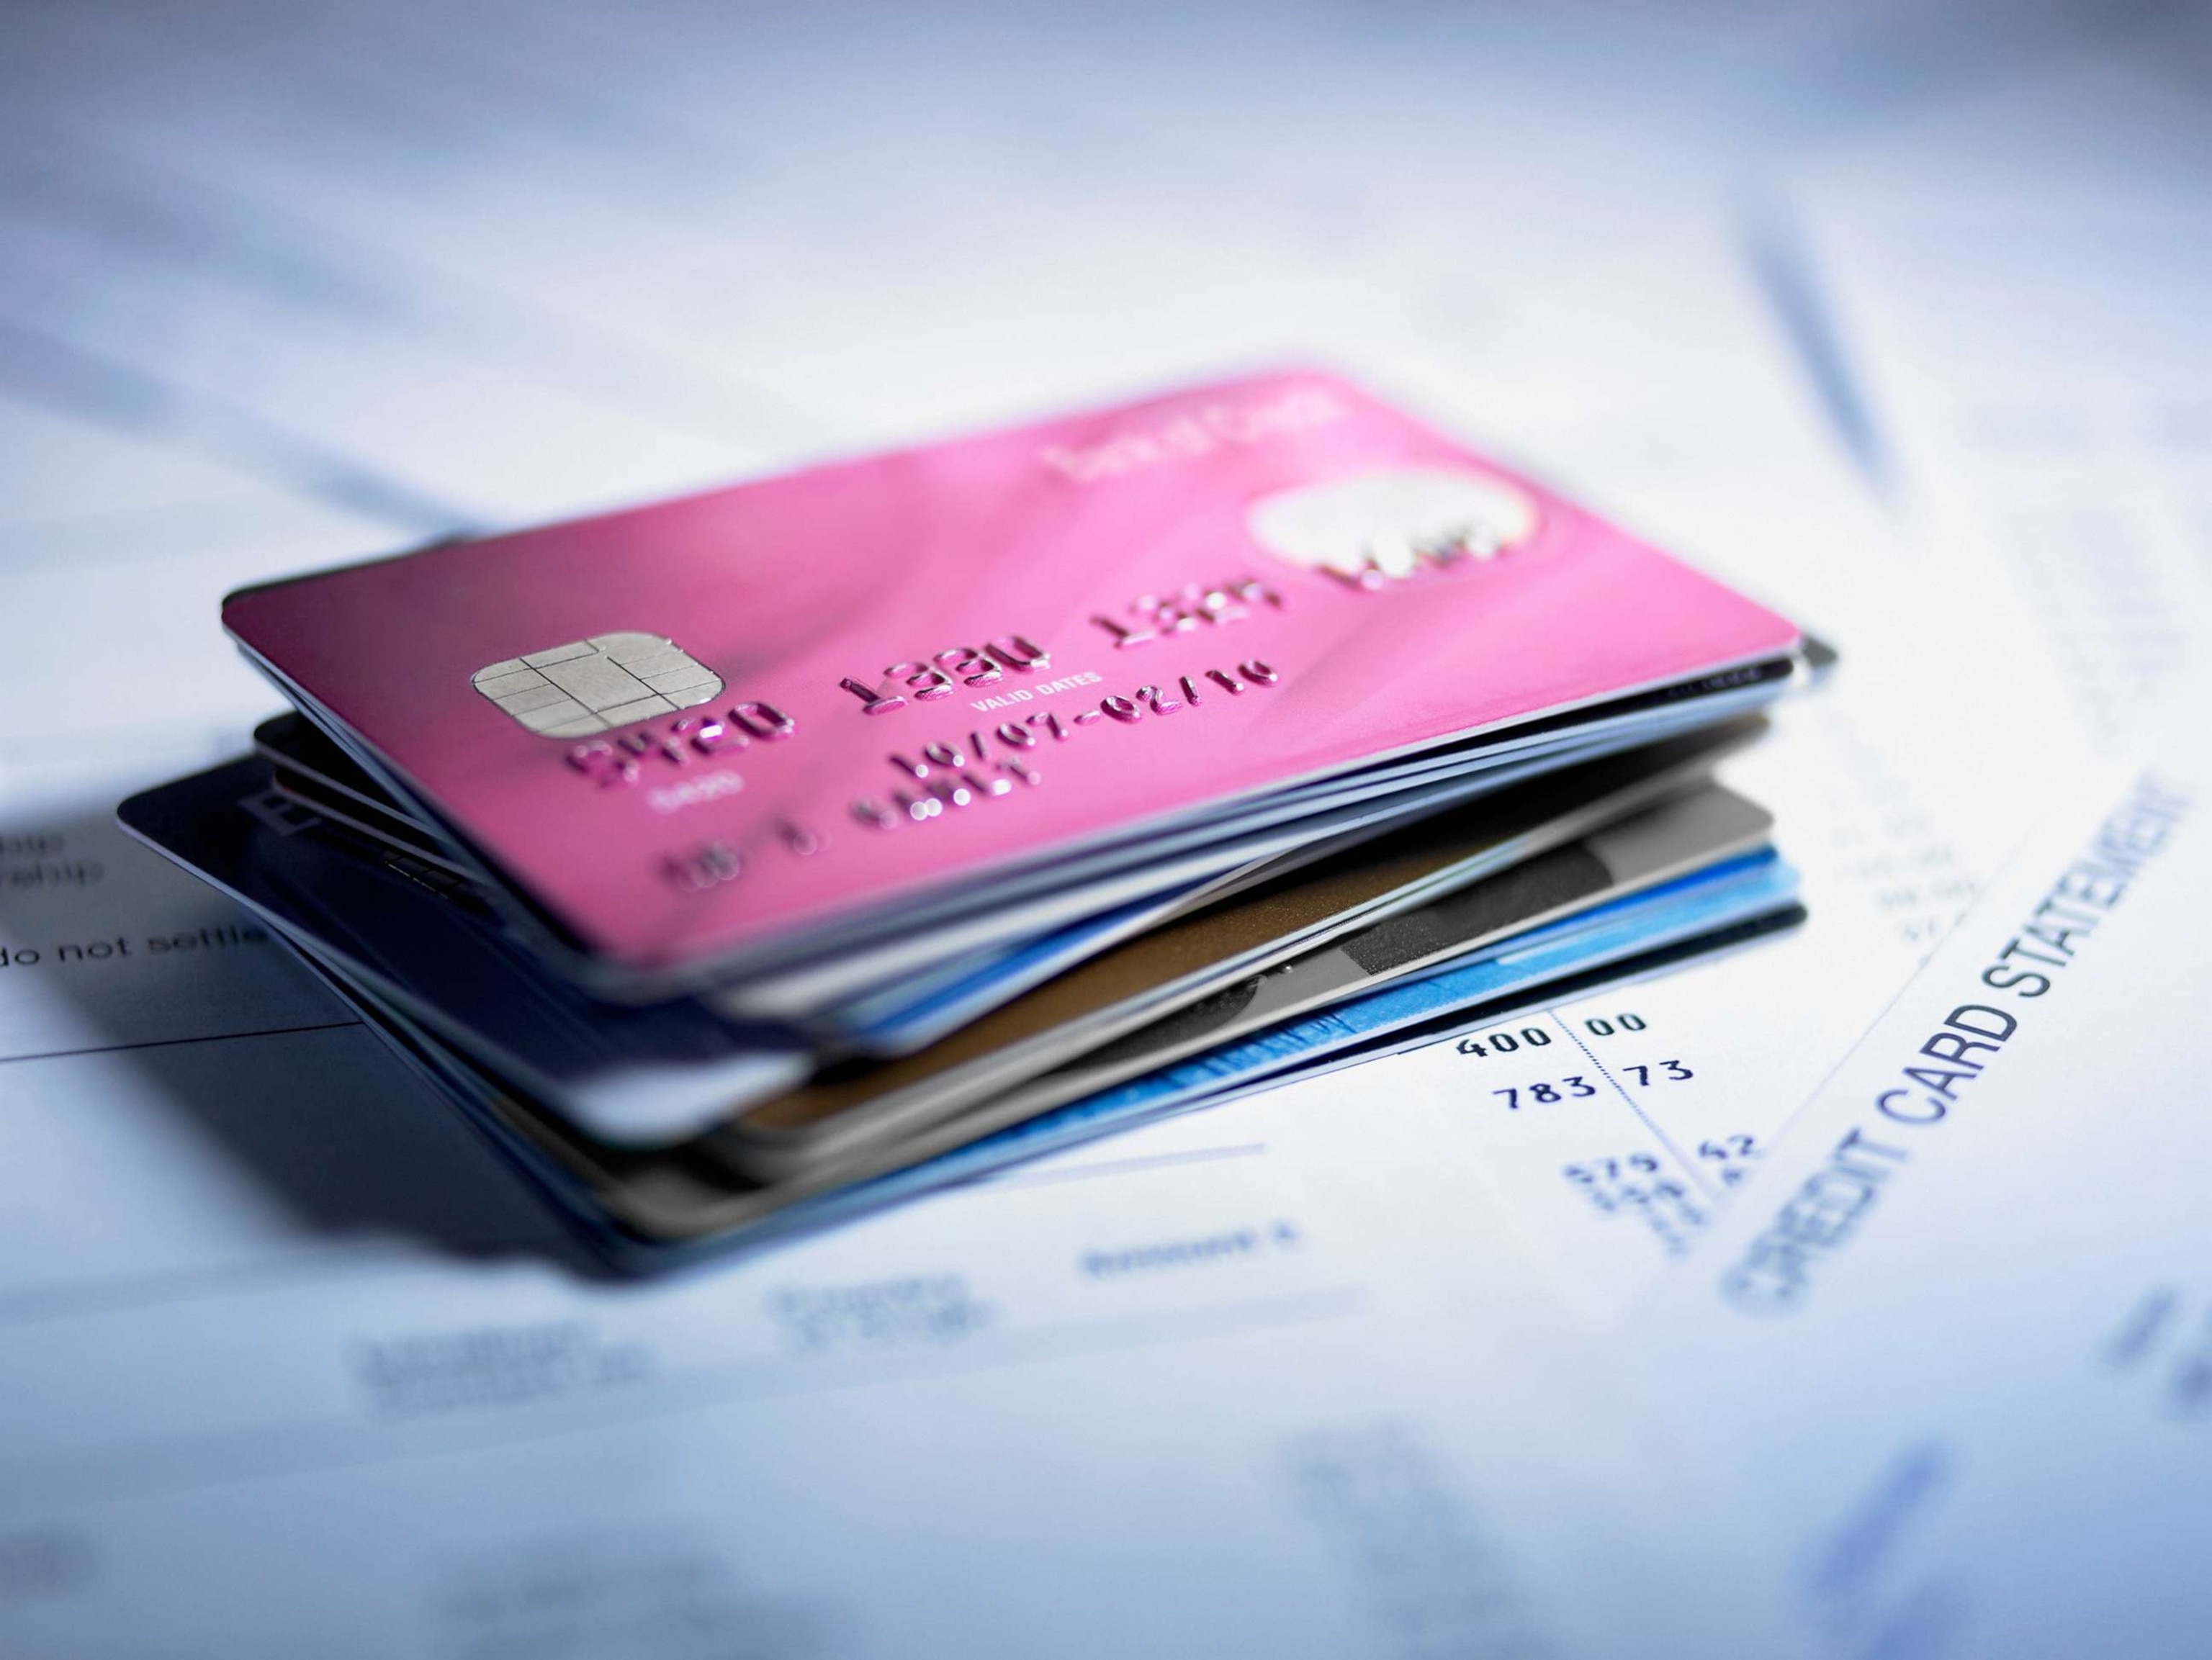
(618, 760)
(1193, 605)
(956, 665)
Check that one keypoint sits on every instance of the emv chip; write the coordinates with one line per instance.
(590, 685)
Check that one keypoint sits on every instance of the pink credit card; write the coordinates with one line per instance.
(691, 730)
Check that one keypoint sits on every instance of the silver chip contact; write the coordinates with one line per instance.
(588, 686)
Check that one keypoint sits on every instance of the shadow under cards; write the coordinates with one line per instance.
(115, 960)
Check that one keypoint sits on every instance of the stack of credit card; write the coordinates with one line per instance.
(739, 861)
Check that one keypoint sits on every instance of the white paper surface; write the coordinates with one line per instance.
(1957, 1327)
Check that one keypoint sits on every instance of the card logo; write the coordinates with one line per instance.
(591, 685)
(1197, 431)
(1387, 526)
